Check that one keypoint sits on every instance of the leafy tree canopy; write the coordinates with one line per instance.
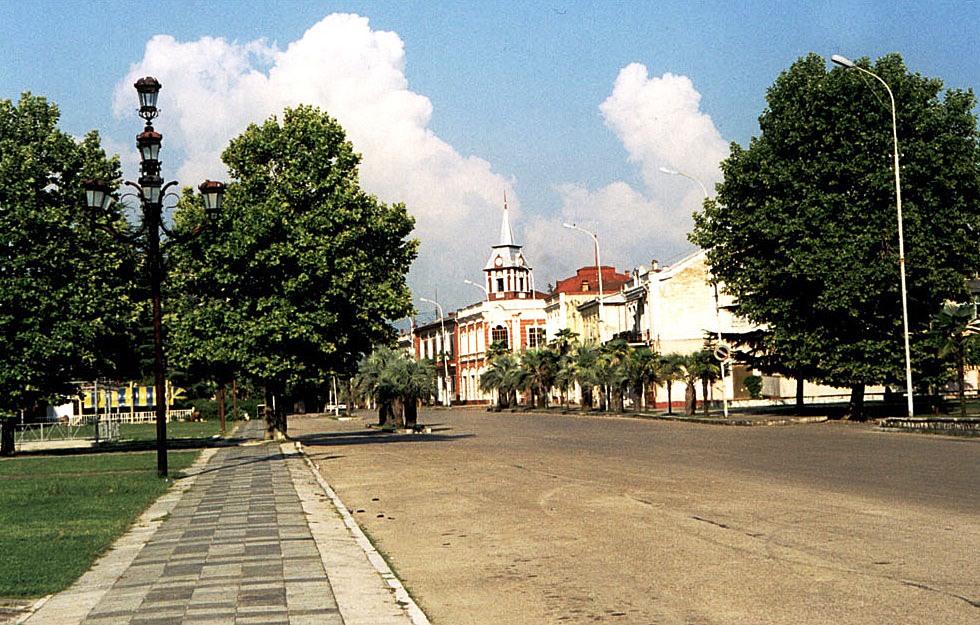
(303, 270)
(804, 229)
(65, 294)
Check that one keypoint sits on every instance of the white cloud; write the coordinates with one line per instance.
(659, 122)
(212, 89)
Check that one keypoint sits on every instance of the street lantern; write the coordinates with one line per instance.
(151, 191)
(148, 89)
(97, 196)
(148, 144)
(213, 193)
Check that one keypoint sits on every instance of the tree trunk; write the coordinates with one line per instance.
(704, 396)
(961, 382)
(587, 401)
(855, 408)
(220, 396)
(799, 394)
(234, 401)
(8, 445)
(270, 418)
(670, 397)
(411, 413)
(398, 413)
(690, 400)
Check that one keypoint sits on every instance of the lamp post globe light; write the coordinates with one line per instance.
(445, 356)
(150, 191)
(847, 63)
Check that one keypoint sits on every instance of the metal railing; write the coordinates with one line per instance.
(80, 427)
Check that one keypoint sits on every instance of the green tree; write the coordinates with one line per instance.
(587, 367)
(670, 369)
(540, 367)
(397, 383)
(614, 373)
(502, 376)
(703, 366)
(66, 287)
(804, 232)
(565, 344)
(643, 370)
(957, 329)
(303, 270)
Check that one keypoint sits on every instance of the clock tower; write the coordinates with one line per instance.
(507, 273)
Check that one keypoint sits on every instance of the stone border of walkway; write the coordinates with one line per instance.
(71, 606)
(360, 598)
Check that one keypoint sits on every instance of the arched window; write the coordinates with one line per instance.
(499, 334)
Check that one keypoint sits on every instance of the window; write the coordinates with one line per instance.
(500, 285)
(536, 338)
(499, 334)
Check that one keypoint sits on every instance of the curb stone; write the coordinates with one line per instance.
(352, 588)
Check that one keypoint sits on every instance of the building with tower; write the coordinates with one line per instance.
(511, 314)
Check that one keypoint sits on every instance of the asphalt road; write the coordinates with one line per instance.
(529, 519)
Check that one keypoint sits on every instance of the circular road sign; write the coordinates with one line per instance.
(723, 353)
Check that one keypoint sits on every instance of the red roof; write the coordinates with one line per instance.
(586, 280)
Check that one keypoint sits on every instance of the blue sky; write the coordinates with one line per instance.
(568, 107)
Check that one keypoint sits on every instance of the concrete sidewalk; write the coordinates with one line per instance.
(251, 535)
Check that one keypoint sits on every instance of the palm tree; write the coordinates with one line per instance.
(586, 372)
(956, 326)
(540, 367)
(565, 376)
(503, 377)
(418, 379)
(643, 370)
(564, 345)
(378, 379)
(615, 372)
(670, 369)
(397, 383)
(700, 365)
(564, 342)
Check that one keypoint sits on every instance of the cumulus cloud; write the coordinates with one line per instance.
(659, 122)
(213, 88)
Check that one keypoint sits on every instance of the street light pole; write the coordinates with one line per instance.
(721, 363)
(486, 292)
(150, 192)
(445, 361)
(598, 268)
(849, 64)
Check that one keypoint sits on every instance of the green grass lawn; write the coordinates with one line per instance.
(59, 513)
(177, 429)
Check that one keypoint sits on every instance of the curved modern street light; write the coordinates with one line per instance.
(721, 363)
(598, 268)
(849, 64)
(150, 191)
(445, 361)
(486, 291)
(674, 172)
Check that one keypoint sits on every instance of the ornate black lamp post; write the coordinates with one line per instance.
(150, 191)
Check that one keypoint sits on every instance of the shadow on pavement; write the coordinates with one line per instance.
(371, 437)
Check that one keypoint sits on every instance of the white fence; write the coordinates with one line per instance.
(146, 416)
